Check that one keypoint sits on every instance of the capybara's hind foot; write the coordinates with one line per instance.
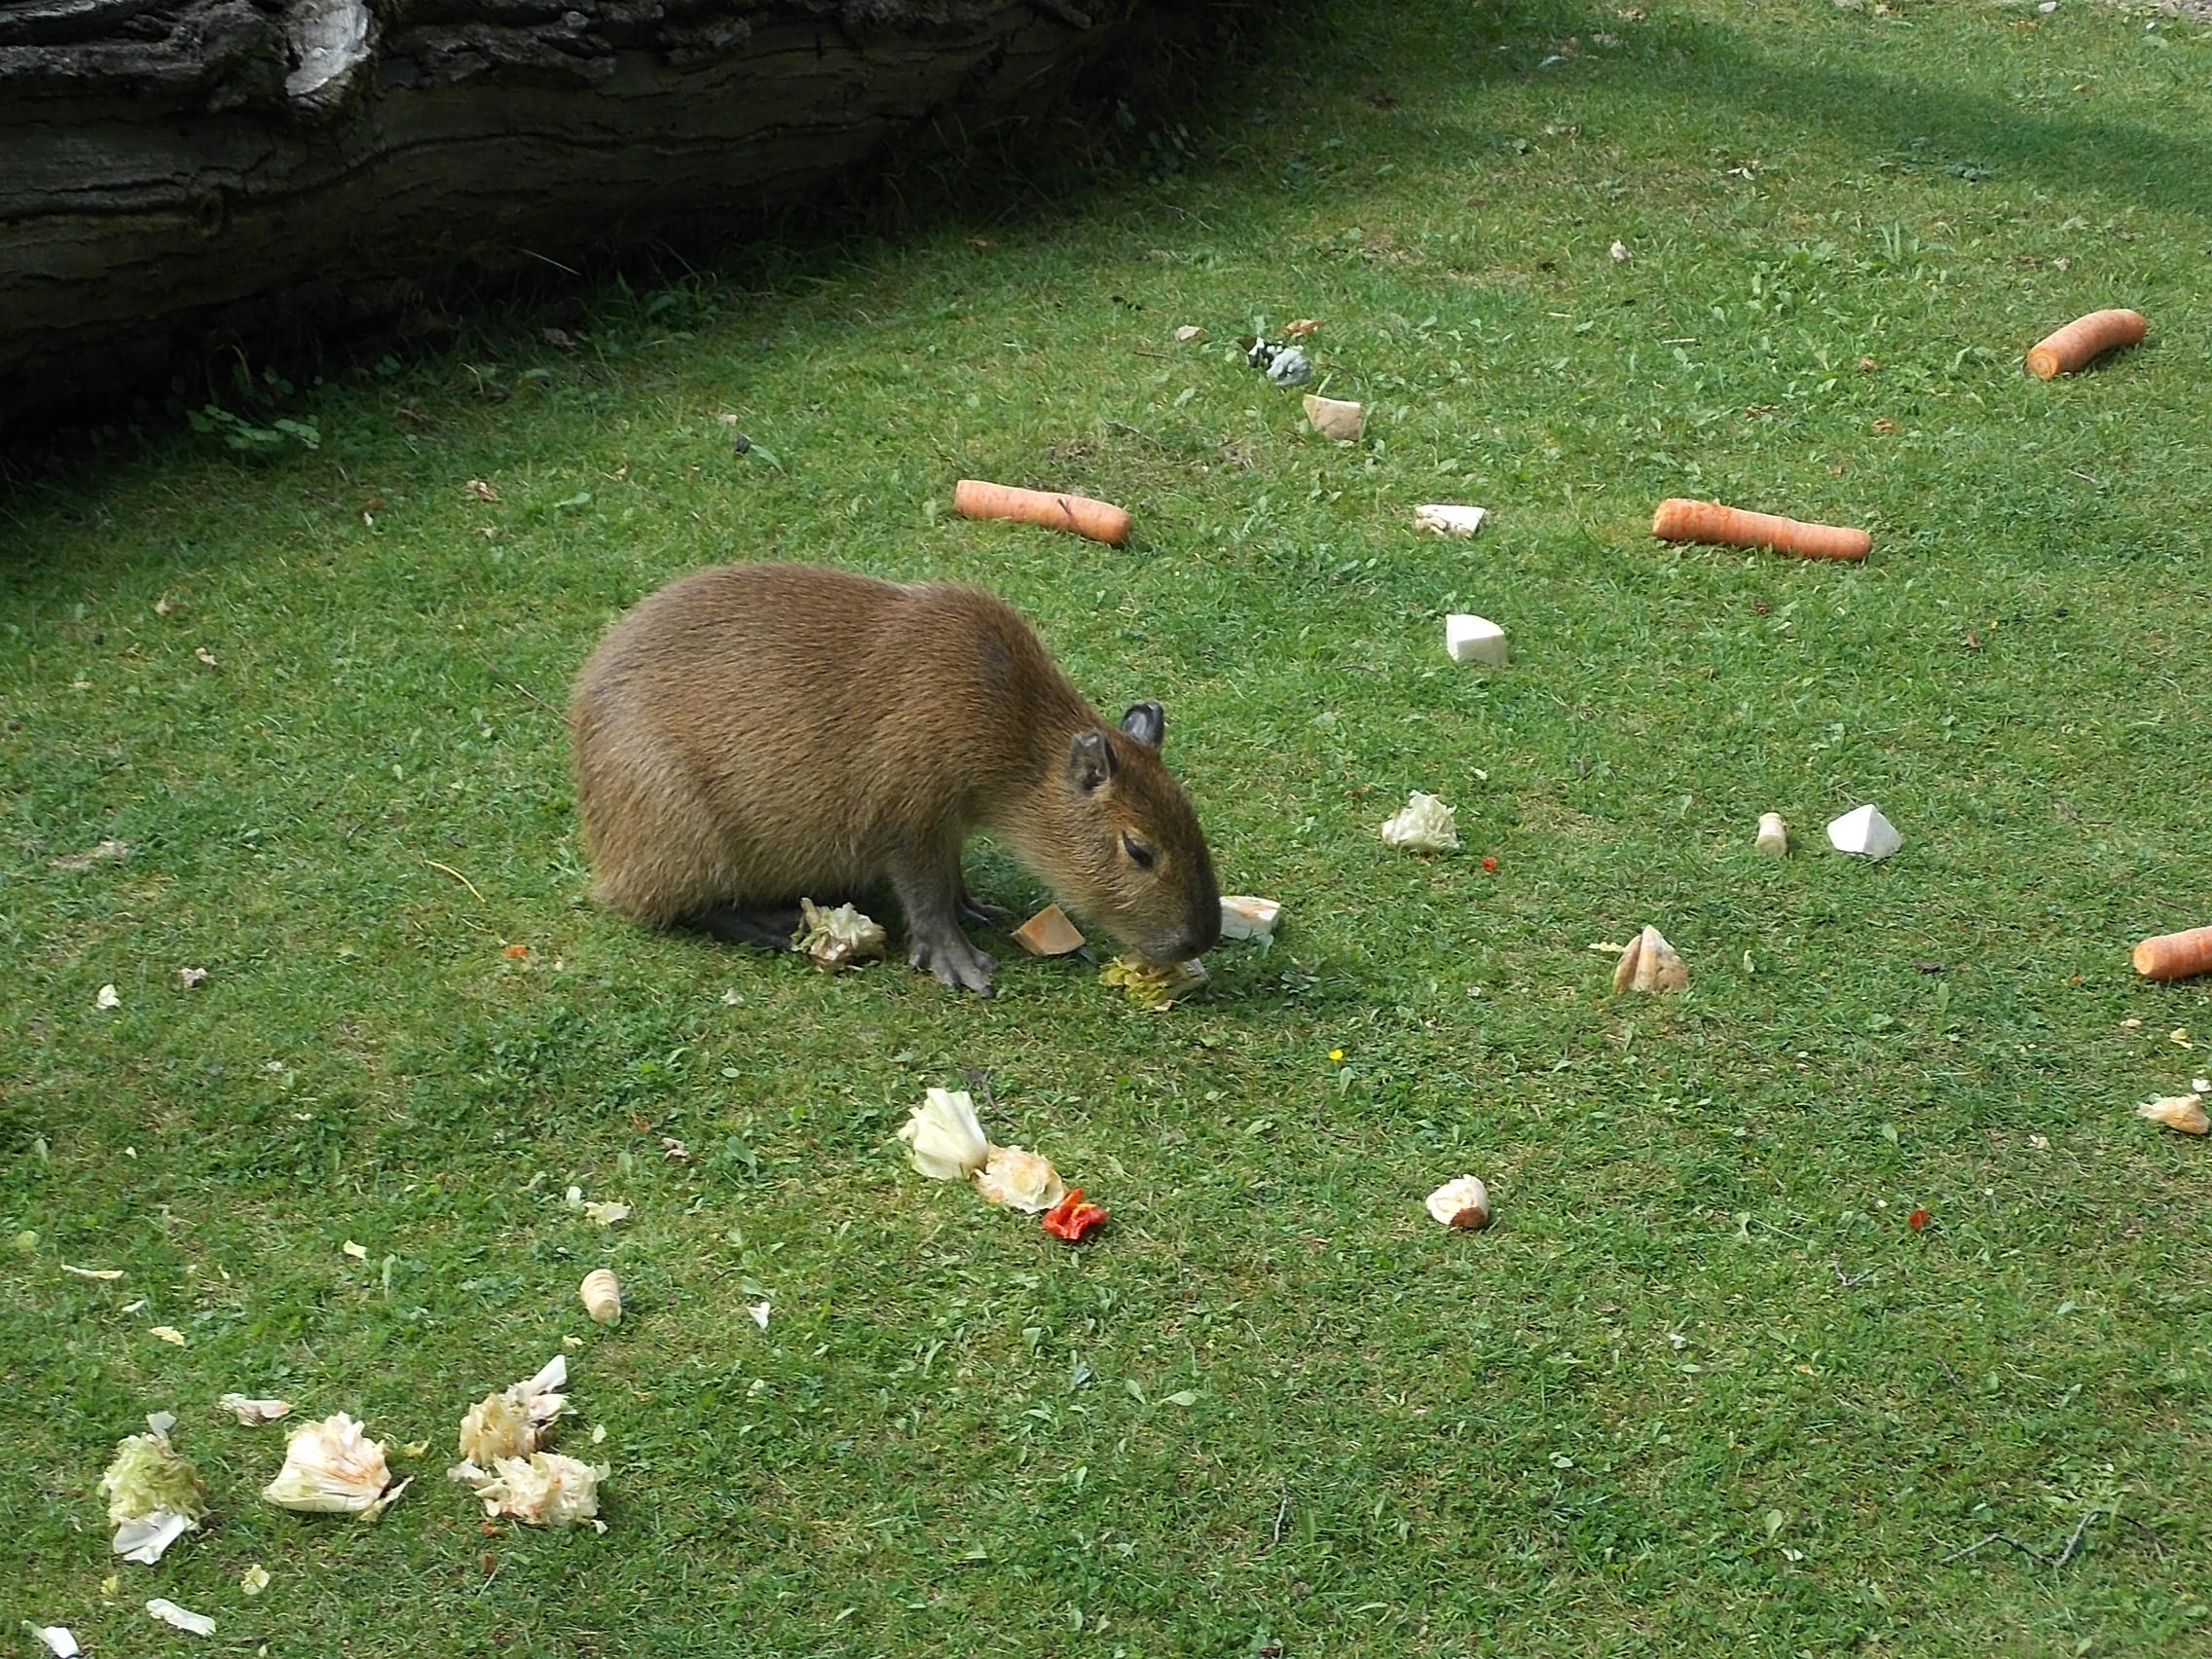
(771, 924)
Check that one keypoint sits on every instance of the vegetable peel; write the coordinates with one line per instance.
(840, 937)
(1072, 1218)
(1156, 986)
(943, 1137)
(332, 1467)
(154, 1494)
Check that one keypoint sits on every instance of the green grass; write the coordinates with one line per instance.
(1699, 1389)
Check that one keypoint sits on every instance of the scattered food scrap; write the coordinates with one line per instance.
(1334, 419)
(606, 1213)
(1679, 520)
(252, 1413)
(1773, 839)
(2083, 340)
(1650, 964)
(1156, 986)
(254, 1579)
(512, 1422)
(190, 979)
(944, 1136)
(842, 937)
(1048, 932)
(153, 1494)
(1425, 825)
(1865, 832)
(59, 1641)
(1304, 328)
(602, 1296)
(1100, 521)
(1072, 1218)
(1243, 916)
(1445, 519)
(1015, 1179)
(759, 1311)
(332, 1467)
(2175, 955)
(1188, 332)
(2183, 1112)
(1462, 1203)
(1475, 639)
(106, 998)
(169, 1613)
(544, 1489)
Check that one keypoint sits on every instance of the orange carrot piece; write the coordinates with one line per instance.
(2175, 955)
(2082, 339)
(1101, 521)
(1677, 520)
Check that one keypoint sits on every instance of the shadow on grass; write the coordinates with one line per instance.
(1878, 111)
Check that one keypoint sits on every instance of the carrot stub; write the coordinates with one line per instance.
(2175, 955)
(1677, 520)
(2082, 339)
(1101, 521)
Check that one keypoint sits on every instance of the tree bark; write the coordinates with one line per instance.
(171, 170)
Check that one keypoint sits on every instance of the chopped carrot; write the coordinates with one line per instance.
(1071, 1217)
(2082, 339)
(1677, 520)
(2175, 955)
(1101, 521)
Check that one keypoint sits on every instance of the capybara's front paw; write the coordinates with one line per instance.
(954, 962)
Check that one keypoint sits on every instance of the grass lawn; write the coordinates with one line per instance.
(1699, 1389)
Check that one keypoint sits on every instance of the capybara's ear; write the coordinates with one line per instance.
(1090, 760)
(1147, 722)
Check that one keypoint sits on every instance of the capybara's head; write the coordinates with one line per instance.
(1123, 848)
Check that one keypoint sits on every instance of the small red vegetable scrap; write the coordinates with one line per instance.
(1489, 864)
(1071, 1217)
(1917, 1220)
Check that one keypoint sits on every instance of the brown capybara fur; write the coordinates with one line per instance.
(755, 734)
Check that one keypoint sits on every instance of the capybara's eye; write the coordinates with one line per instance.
(1139, 854)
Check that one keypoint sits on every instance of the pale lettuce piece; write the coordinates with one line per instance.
(169, 1613)
(153, 1494)
(1019, 1180)
(1156, 986)
(544, 1489)
(1425, 825)
(946, 1139)
(511, 1422)
(842, 937)
(253, 1412)
(332, 1467)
